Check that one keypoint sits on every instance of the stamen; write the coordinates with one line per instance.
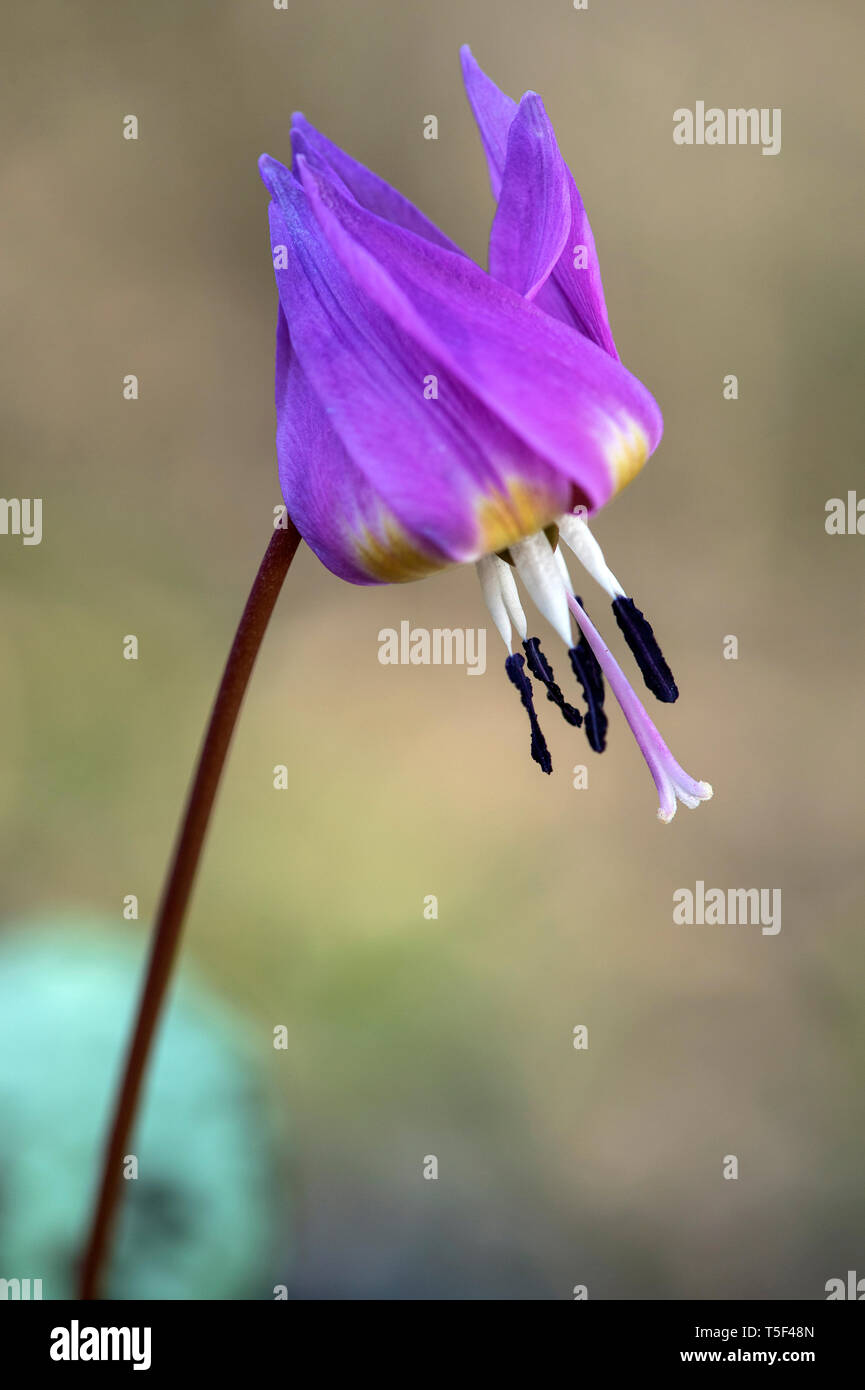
(648, 655)
(588, 672)
(517, 676)
(635, 628)
(543, 671)
(671, 780)
(577, 536)
(500, 594)
(512, 598)
(492, 591)
(536, 565)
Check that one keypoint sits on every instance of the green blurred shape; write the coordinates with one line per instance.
(200, 1220)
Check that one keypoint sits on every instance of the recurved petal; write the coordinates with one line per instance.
(370, 191)
(571, 403)
(493, 112)
(444, 479)
(533, 217)
(573, 291)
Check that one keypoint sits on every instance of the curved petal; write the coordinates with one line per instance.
(370, 191)
(533, 217)
(574, 292)
(443, 478)
(493, 112)
(328, 498)
(571, 403)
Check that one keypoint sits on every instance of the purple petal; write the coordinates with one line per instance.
(369, 190)
(328, 498)
(443, 479)
(570, 402)
(533, 217)
(574, 292)
(493, 112)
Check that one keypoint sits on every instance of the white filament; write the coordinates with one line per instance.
(491, 589)
(576, 534)
(512, 598)
(537, 567)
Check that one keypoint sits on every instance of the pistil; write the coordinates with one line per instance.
(671, 780)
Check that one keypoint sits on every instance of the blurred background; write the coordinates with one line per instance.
(453, 1037)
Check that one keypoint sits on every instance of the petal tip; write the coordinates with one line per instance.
(270, 169)
(474, 76)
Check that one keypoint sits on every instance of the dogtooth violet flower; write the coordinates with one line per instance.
(431, 413)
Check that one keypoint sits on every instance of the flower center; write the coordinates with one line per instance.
(539, 564)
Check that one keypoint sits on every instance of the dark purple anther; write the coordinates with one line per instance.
(648, 655)
(517, 676)
(543, 671)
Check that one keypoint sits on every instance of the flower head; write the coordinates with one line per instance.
(430, 412)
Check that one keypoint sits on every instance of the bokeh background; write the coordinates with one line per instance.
(409, 1037)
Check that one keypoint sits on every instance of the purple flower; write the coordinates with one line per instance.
(431, 413)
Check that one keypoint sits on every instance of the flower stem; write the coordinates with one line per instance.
(178, 888)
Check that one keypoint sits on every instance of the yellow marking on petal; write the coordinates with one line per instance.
(388, 554)
(626, 453)
(522, 509)
(392, 557)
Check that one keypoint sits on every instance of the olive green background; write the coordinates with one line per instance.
(453, 1037)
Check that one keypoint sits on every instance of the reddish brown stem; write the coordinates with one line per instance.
(178, 888)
